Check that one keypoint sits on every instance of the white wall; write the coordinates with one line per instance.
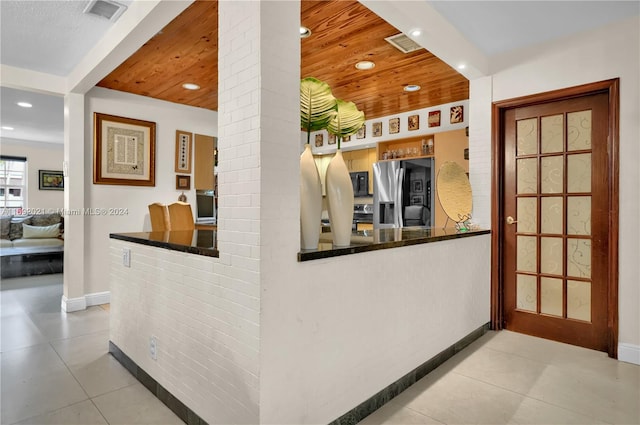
(610, 52)
(40, 156)
(168, 117)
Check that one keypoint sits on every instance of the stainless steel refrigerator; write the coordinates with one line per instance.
(403, 193)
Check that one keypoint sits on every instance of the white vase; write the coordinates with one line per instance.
(310, 201)
(339, 200)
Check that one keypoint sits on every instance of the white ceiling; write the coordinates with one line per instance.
(53, 36)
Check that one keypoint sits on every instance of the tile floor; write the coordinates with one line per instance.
(56, 370)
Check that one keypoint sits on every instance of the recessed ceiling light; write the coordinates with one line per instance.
(6, 127)
(25, 104)
(411, 87)
(304, 32)
(365, 65)
(416, 32)
(462, 66)
(191, 86)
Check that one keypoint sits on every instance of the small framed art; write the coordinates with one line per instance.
(183, 152)
(434, 119)
(414, 122)
(362, 133)
(416, 186)
(183, 182)
(457, 114)
(50, 180)
(331, 139)
(394, 125)
(377, 129)
(417, 200)
(319, 140)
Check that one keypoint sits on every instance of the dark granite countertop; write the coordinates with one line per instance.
(200, 242)
(371, 240)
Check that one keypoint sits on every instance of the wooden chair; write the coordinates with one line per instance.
(180, 216)
(159, 215)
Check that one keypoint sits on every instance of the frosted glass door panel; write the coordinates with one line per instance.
(527, 170)
(526, 255)
(551, 215)
(551, 134)
(551, 256)
(526, 292)
(579, 300)
(552, 174)
(579, 215)
(527, 215)
(527, 137)
(551, 296)
(579, 257)
(579, 130)
(579, 173)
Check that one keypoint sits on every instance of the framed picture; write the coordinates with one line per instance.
(417, 200)
(50, 180)
(457, 114)
(332, 139)
(362, 133)
(394, 125)
(414, 122)
(183, 182)
(346, 139)
(319, 140)
(434, 119)
(416, 186)
(377, 129)
(183, 152)
(123, 151)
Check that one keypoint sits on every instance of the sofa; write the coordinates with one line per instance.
(37, 230)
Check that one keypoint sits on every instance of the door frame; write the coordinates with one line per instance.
(611, 87)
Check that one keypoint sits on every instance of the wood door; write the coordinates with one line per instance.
(557, 188)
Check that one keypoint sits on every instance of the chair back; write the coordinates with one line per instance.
(159, 216)
(180, 216)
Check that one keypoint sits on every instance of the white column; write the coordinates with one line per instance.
(74, 157)
(258, 180)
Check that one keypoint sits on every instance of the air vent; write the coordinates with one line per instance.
(105, 8)
(403, 43)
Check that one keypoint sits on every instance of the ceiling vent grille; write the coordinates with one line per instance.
(105, 8)
(403, 43)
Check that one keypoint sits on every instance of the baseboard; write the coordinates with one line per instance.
(70, 305)
(629, 353)
(98, 298)
(385, 395)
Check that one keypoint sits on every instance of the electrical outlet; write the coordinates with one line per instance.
(126, 257)
(153, 347)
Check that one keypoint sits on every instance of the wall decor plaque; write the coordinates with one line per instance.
(362, 133)
(377, 129)
(319, 140)
(414, 122)
(457, 114)
(434, 119)
(183, 152)
(332, 139)
(394, 125)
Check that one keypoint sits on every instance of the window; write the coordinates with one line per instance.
(13, 183)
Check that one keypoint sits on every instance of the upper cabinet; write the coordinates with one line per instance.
(204, 160)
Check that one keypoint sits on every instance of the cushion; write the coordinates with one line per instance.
(45, 219)
(5, 224)
(26, 243)
(5, 243)
(15, 231)
(40, 232)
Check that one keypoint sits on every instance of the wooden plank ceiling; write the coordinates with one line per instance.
(343, 33)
